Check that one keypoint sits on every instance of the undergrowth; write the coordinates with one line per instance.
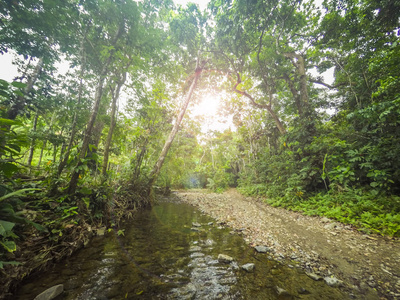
(369, 213)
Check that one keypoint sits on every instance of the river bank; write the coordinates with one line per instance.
(69, 226)
(368, 265)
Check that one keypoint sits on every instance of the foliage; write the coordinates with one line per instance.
(324, 153)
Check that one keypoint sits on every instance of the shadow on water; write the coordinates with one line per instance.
(163, 256)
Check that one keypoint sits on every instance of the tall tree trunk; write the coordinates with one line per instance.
(41, 153)
(139, 160)
(113, 121)
(157, 167)
(55, 148)
(64, 159)
(32, 147)
(298, 62)
(85, 144)
(61, 152)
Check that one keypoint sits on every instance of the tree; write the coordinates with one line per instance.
(157, 167)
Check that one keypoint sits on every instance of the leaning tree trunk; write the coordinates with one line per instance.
(112, 124)
(85, 144)
(157, 167)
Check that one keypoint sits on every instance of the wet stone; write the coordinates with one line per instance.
(225, 258)
(196, 254)
(194, 249)
(313, 276)
(248, 267)
(281, 292)
(262, 249)
(333, 281)
(195, 224)
(303, 291)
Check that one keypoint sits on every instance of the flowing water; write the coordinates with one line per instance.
(163, 256)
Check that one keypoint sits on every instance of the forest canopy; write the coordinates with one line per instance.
(75, 143)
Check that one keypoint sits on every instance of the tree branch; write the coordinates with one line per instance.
(326, 84)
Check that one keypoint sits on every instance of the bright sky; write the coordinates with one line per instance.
(208, 107)
(7, 70)
(202, 3)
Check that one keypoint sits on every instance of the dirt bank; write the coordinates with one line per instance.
(368, 265)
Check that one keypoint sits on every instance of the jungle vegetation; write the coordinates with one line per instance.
(79, 141)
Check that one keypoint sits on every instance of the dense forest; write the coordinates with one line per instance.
(78, 143)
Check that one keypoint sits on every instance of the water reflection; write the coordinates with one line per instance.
(161, 256)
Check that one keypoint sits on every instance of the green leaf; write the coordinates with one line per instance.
(17, 193)
(13, 263)
(86, 191)
(10, 246)
(374, 184)
(18, 84)
(8, 169)
(8, 122)
(5, 226)
(4, 83)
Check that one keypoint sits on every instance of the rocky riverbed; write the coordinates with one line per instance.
(366, 265)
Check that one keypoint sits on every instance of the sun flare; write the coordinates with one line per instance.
(209, 107)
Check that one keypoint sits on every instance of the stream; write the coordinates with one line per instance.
(171, 252)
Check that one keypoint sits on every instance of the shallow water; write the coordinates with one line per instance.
(162, 257)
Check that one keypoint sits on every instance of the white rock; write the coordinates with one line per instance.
(333, 281)
(262, 249)
(225, 258)
(51, 293)
(248, 267)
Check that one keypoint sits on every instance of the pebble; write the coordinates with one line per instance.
(333, 281)
(196, 224)
(281, 292)
(262, 249)
(313, 276)
(303, 291)
(248, 267)
(225, 258)
(194, 249)
(330, 226)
